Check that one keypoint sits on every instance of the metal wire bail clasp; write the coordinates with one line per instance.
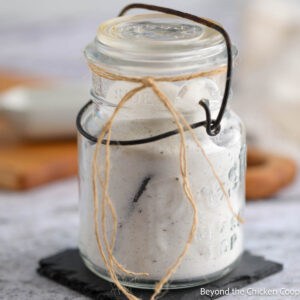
(213, 127)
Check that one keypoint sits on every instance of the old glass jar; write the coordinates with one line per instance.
(145, 184)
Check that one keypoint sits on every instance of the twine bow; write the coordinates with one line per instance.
(106, 247)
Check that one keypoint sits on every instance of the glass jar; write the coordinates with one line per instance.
(145, 183)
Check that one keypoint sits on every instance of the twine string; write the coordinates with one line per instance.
(105, 247)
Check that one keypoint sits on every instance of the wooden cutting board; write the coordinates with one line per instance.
(25, 165)
(9, 80)
(28, 165)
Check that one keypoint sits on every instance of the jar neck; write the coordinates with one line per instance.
(183, 95)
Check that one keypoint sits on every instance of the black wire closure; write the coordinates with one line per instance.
(213, 127)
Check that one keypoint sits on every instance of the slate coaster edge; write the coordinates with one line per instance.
(74, 284)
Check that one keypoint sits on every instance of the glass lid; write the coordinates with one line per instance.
(157, 41)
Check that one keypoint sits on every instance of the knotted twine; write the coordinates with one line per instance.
(110, 260)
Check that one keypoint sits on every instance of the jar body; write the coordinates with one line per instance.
(161, 54)
(154, 214)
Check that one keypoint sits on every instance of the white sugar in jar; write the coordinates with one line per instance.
(145, 182)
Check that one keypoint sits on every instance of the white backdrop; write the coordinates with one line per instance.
(47, 37)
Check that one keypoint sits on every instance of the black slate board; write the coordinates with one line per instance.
(68, 269)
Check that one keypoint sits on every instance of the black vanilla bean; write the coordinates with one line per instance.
(141, 189)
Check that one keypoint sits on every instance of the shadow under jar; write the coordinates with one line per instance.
(145, 184)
